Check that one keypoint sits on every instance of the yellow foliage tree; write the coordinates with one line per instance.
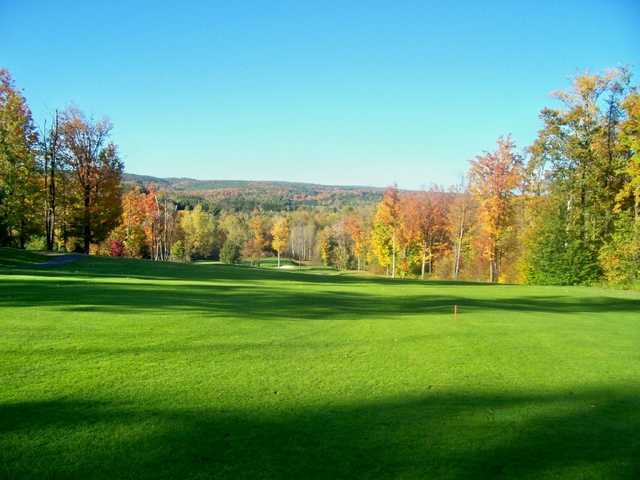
(199, 232)
(280, 234)
(631, 140)
(255, 246)
(384, 236)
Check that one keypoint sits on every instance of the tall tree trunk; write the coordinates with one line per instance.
(424, 261)
(582, 213)
(51, 214)
(87, 220)
(493, 265)
(50, 155)
(165, 233)
(22, 233)
(278, 258)
(393, 255)
(49, 245)
(456, 268)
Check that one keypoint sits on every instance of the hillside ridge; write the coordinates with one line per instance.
(188, 183)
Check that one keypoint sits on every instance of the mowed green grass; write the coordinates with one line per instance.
(132, 369)
(10, 257)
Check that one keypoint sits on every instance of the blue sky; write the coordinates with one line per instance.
(330, 92)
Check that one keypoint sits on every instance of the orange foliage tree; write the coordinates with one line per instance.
(131, 231)
(359, 236)
(424, 222)
(255, 246)
(494, 177)
(94, 162)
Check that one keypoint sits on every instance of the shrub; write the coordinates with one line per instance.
(230, 252)
(177, 251)
(36, 243)
(73, 244)
(620, 256)
(104, 249)
(116, 248)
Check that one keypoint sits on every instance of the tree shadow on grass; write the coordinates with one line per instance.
(589, 434)
(150, 270)
(264, 302)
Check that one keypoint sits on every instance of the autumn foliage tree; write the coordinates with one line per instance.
(494, 177)
(159, 222)
(198, 230)
(19, 179)
(629, 195)
(620, 255)
(258, 241)
(131, 231)
(97, 171)
(51, 152)
(327, 246)
(570, 214)
(424, 222)
(386, 224)
(584, 156)
(280, 236)
(461, 213)
(304, 233)
(355, 225)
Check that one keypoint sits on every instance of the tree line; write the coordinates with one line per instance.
(564, 210)
(60, 184)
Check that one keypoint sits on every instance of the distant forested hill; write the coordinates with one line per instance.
(243, 195)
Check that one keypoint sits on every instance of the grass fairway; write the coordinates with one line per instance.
(10, 257)
(132, 369)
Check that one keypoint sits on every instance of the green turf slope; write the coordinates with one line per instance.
(132, 369)
(11, 257)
